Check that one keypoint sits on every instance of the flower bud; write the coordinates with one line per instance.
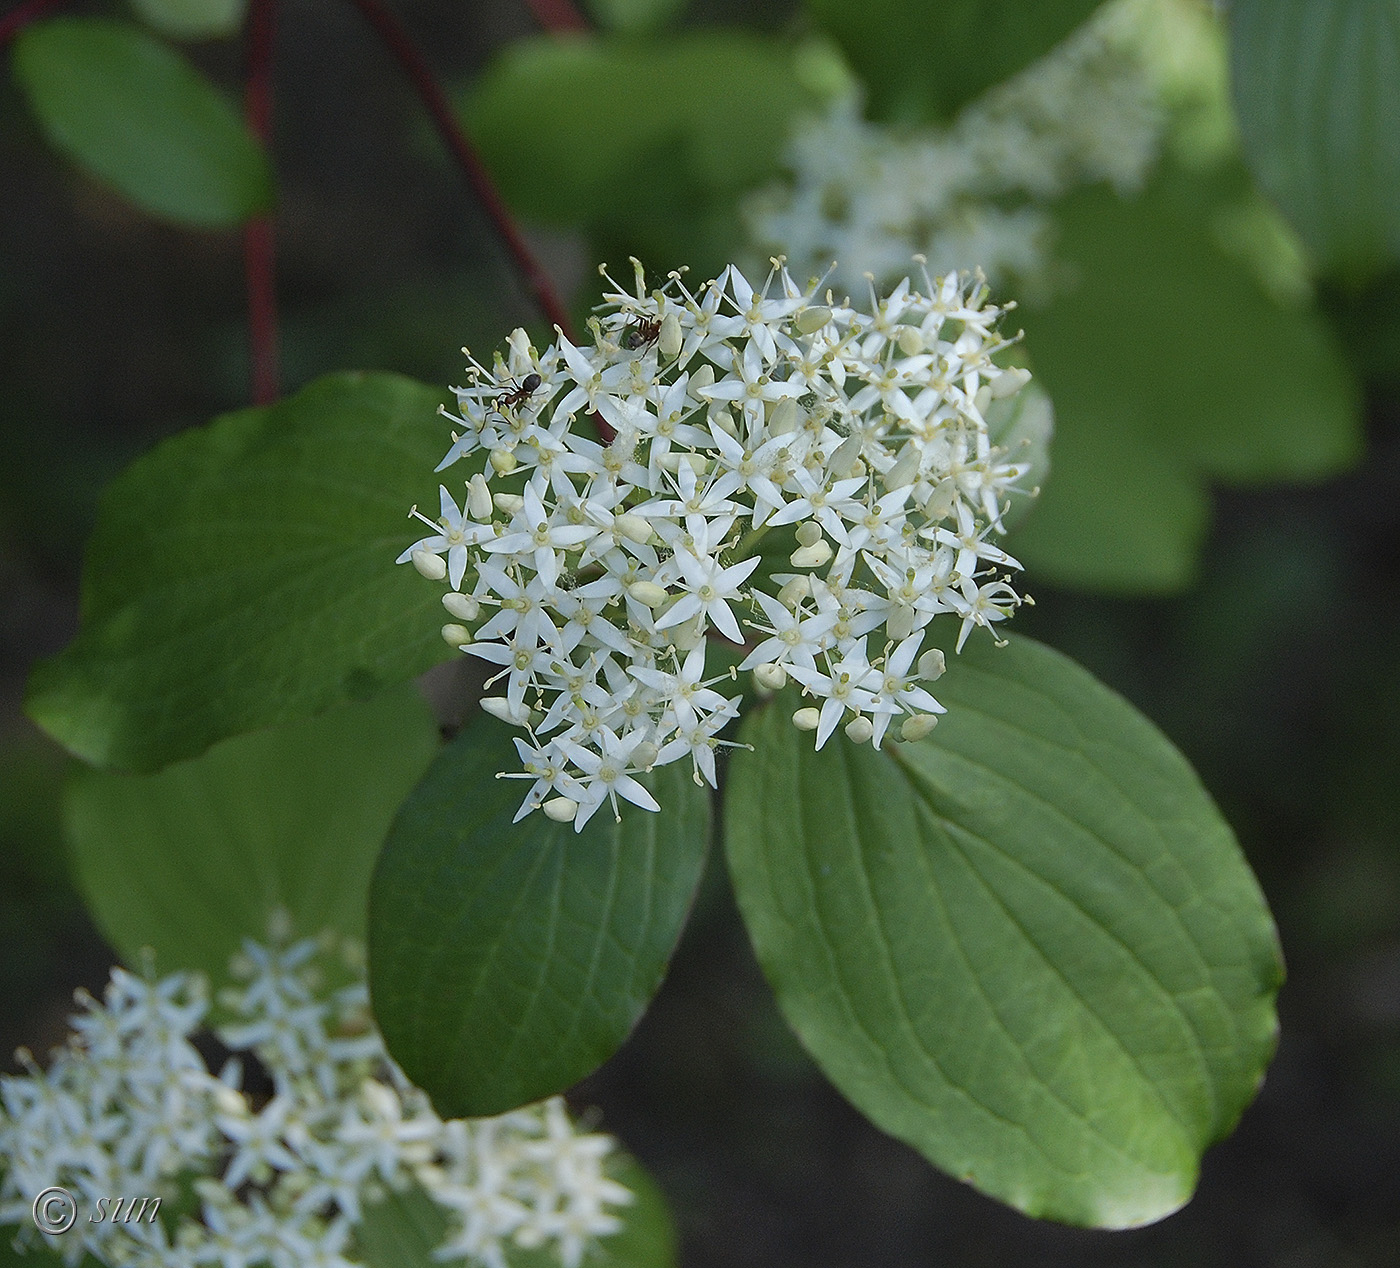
(668, 343)
(794, 592)
(932, 664)
(432, 566)
(941, 501)
(918, 726)
(689, 633)
(560, 809)
(809, 533)
(509, 503)
(701, 381)
(633, 527)
(845, 456)
(503, 460)
(982, 399)
(784, 417)
(456, 635)
(899, 624)
(645, 755)
(647, 593)
(905, 469)
(1009, 382)
(859, 730)
(479, 497)
(500, 707)
(810, 320)
(807, 719)
(770, 676)
(811, 556)
(910, 340)
(461, 605)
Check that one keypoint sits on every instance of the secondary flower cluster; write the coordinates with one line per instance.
(287, 1158)
(789, 472)
(973, 193)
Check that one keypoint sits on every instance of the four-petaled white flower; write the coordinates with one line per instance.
(594, 572)
(283, 1185)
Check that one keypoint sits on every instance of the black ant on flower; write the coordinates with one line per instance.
(644, 331)
(519, 393)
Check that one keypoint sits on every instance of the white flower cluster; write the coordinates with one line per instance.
(282, 1174)
(784, 471)
(971, 194)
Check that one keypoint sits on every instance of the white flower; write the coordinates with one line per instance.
(129, 1105)
(595, 572)
(975, 193)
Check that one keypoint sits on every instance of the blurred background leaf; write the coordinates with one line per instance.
(922, 60)
(194, 859)
(646, 142)
(1317, 86)
(133, 112)
(1168, 367)
(192, 19)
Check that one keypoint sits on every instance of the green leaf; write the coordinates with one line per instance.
(634, 16)
(242, 574)
(134, 113)
(506, 962)
(1317, 88)
(1029, 945)
(192, 19)
(1167, 366)
(196, 858)
(924, 59)
(403, 1229)
(607, 131)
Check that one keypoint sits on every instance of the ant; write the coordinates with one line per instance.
(647, 330)
(519, 393)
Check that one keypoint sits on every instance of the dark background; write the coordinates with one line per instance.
(1278, 674)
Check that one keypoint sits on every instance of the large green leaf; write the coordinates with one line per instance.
(242, 574)
(194, 859)
(633, 133)
(403, 1229)
(923, 59)
(508, 961)
(133, 112)
(1168, 366)
(1317, 88)
(1028, 945)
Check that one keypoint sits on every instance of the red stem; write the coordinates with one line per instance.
(17, 19)
(558, 15)
(258, 253)
(388, 28)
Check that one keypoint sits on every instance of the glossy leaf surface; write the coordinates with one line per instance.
(242, 574)
(507, 960)
(1028, 945)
